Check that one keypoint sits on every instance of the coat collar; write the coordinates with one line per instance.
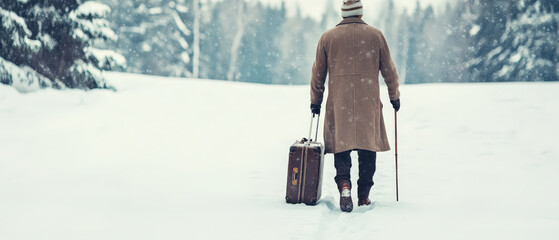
(350, 20)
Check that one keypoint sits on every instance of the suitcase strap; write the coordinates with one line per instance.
(303, 174)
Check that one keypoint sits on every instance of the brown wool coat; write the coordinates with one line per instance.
(352, 54)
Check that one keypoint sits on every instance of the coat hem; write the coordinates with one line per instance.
(356, 148)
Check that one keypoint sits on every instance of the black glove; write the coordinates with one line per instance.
(315, 108)
(396, 104)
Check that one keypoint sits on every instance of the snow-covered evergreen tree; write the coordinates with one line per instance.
(233, 72)
(388, 23)
(503, 40)
(55, 39)
(196, 41)
(419, 62)
(394, 26)
(155, 36)
(400, 54)
(331, 16)
(528, 48)
(129, 26)
(469, 41)
(297, 47)
(16, 43)
(489, 24)
(238, 40)
(457, 49)
(260, 53)
(219, 26)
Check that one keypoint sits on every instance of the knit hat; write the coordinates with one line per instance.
(352, 8)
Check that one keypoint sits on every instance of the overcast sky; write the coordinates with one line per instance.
(315, 8)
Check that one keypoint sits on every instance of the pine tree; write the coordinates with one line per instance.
(55, 39)
(386, 21)
(331, 16)
(260, 52)
(457, 51)
(489, 25)
(15, 44)
(166, 44)
(512, 40)
(297, 47)
(196, 41)
(394, 26)
(156, 36)
(218, 34)
(130, 27)
(529, 46)
(234, 73)
(419, 60)
(402, 43)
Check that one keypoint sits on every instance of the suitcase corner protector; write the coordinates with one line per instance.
(288, 199)
(313, 202)
(292, 149)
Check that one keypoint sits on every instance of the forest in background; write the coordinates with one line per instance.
(68, 43)
(468, 41)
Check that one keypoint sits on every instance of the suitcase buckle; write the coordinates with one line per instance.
(294, 176)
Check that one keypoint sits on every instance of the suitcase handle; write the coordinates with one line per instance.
(294, 179)
(310, 129)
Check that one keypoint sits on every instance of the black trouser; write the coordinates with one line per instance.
(367, 168)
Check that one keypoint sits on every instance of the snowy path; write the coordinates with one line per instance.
(194, 159)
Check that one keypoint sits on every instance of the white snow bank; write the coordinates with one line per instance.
(24, 79)
(197, 159)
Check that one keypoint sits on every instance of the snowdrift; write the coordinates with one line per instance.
(198, 159)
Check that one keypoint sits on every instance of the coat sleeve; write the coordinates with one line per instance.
(388, 70)
(319, 71)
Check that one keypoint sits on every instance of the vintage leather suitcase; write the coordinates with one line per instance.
(304, 172)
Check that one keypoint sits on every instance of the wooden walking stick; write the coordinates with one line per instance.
(396, 149)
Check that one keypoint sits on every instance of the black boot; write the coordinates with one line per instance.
(363, 195)
(364, 201)
(342, 162)
(367, 168)
(346, 204)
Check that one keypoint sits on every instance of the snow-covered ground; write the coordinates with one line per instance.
(198, 159)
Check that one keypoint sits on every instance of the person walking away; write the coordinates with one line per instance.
(353, 53)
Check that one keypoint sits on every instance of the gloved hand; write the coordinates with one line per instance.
(396, 104)
(315, 108)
